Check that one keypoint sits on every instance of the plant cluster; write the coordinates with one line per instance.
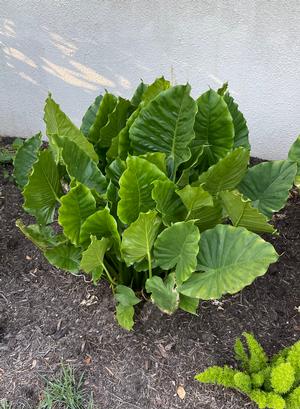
(154, 195)
(270, 383)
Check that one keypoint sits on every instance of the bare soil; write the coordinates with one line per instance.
(48, 316)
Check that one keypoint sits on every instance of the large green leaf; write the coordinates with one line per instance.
(194, 199)
(65, 256)
(124, 311)
(135, 188)
(294, 156)
(92, 261)
(138, 94)
(168, 203)
(159, 85)
(213, 128)
(43, 189)
(241, 131)
(158, 158)
(106, 106)
(208, 217)
(100, 224)
(123, 137)
(188, 304)
(25, 157)
(178, 245)
(139, 237)
(80, 166)
(163, 293)
(241, 213)
(76, 206)
(230, 258)
(115, 170)
(227, 173)
(268, 185)
(166, 125)
(90, 116)
(57, 123)
(116, 121)
(42, 236)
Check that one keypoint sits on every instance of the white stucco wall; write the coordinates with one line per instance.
(75, 48)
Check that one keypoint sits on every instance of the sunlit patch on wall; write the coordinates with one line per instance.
(27, 78)
(91, 75)
(18, 55)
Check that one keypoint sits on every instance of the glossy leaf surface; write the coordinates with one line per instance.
(43, 189)
(267, 185)
(25, 157)
(214, 128)
(166, 125)
(76, 206)
(177, 246)
(230, 258)
(136, 187)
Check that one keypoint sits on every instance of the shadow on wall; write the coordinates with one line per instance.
(66, 67)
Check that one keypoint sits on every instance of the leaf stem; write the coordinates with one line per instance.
(111, 280)
(149, 264)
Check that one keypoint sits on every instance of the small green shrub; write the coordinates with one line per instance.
(140, 193)
(270, 383)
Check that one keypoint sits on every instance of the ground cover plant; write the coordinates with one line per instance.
(270, 383)
(154, 195)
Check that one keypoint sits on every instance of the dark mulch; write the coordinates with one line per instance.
(48, 316)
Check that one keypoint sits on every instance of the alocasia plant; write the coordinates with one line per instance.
(137, 196)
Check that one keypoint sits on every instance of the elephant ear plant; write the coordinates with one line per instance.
(137, 196)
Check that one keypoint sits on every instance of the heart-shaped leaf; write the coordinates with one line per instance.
(136, 187)
(241, 131)
(42, 236)
(100, 224)
(138, 94)
(227, 173)
(188, 304)
(178, 245)
(80, 166)
(76, 206)
(159, 85)
(230, 258)
(65, 256)
(139, 237)
(208, 217)
(25, 157)
(294, 156)
(90, 116)
(116, 121)
(92, 261)
(163, 293)
(57, 123)
(166, 125)
(106, 106)
(124, 311)
(268, 185)
(194, 199)
(168, 203)
(43, 189)
(241, 213)
(214, 128)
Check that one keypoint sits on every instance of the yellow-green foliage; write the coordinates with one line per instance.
(271, 384)
(282, 377)
(218, 375)
(293, 399)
